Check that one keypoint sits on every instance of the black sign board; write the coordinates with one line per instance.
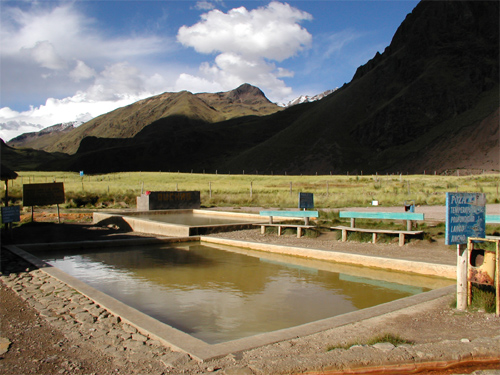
(43, 194)
(306, 200)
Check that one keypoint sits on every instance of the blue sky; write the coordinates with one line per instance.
(74, 60)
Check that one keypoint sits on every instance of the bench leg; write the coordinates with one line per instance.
(279, 231)
(299, 232)
(344, 235)
(409, 225)
(262, 229)
(374, 237)
(401, 239)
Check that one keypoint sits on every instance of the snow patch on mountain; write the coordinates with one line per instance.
(306, 99)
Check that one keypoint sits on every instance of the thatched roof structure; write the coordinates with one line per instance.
(7, 173)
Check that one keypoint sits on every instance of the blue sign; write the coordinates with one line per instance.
(11, 214)
(306, 200)
(465, 217)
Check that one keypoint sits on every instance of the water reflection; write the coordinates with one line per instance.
(219, 295)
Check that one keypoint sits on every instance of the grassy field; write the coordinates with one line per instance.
(121, 189)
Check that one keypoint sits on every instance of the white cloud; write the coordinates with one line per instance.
(271, 32)
(246, 43)
(55, 51)
(45, 54)
(204, 5)
(55, 111)
(82, 72)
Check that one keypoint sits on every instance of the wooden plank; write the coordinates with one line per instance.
(374, 230)
(290, 213)
(492, 219)
(286, 225)
(382, 215)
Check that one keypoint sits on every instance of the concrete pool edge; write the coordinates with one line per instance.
(198, 349)
(134, 222)
(421, 268)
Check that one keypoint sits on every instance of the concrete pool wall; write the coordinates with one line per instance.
(136, 223)
(202, 351)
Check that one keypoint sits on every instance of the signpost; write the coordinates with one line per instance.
(465, 217)
(43, 195)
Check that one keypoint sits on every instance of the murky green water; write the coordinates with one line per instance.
(218, 295)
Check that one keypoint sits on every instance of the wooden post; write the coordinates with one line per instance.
(251, 190)
(210, 189)
(462, 255)
(497, 277)
(290, 187)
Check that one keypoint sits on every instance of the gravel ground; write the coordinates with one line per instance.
(42, 343)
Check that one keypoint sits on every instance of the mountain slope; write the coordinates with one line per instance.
(43, 138)
(429, 102)
(441, 64)
(126, 122)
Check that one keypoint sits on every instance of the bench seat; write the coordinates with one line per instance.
(285, 225)
(288, 214)
(374, 231)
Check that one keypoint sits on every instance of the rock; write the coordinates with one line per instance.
(129, 329)
(139, 337)
(384, 346)
(4, 345)
(238, 371)
(84, 318)
(175, 359)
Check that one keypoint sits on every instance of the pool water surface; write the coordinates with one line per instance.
(218, 295)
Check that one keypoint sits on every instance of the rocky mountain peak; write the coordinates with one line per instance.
(245, 93)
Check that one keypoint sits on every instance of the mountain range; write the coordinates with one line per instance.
(429, 102)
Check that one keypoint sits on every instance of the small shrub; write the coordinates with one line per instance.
(311, 233)
(386, 337)
(483, 298)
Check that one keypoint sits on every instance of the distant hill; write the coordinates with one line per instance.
(28, 159)
(429, 102)
(44, 138)
(126, 122)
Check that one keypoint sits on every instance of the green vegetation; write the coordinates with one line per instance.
(387, 337)
(121, 189)
(483, 298)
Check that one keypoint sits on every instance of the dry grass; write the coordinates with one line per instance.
(261, 190)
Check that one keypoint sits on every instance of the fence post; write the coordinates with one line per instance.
(251, 189)
(210, 189)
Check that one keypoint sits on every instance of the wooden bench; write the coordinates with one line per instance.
(409, 217)
(287, 214)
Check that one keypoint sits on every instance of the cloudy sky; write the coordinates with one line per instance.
(73, 60)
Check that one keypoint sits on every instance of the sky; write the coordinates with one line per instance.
(65, 60)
